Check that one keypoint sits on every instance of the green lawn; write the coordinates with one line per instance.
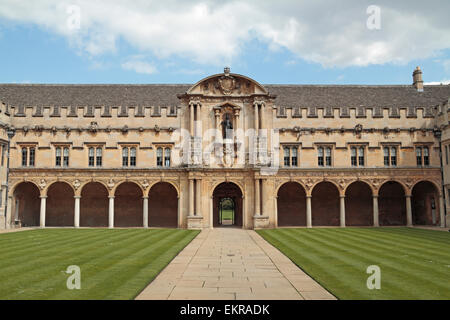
(115, 264)
(227, 214)
(414, 263)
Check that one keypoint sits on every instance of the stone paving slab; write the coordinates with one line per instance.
(232, 264)
(15, 230)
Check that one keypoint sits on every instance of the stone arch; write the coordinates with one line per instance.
(94, 205)
(25, 204)
(406, 189)
(17, 183)
(425, 203)
(231, 190)
(174, 185)
(45, 190)
(291, 204)
(128, 205)
(163, 205)
(338, 187)
(119, 183)
(358, 204)
(83, 184)
(60, 205)
(325, 204)
(392, 204)
(237, 183)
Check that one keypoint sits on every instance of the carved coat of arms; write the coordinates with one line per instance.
(227, 84)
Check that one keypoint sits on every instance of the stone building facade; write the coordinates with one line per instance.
(188, 155)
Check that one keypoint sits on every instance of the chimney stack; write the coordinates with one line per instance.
(417, 79)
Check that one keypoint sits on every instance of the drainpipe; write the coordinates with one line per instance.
(438, 134)
(10, 132)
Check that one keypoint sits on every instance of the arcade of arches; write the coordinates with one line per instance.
(324, 204)
(94, 207)
(359, 206)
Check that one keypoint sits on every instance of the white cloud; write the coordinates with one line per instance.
(138, 65)
(333, 34)
(436, 83)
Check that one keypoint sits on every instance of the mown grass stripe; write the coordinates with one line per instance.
(354, 266)
(325, 253)
(132, 236)
(158, 249)
(55, 249)
(397, 264)
(55, 265)
(117, 261)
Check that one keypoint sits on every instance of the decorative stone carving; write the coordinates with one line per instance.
(93, 127)
(76, 184)
(145, 184)
(110, 184)
(42, 184)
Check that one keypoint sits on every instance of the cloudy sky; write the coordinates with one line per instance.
(182, 41)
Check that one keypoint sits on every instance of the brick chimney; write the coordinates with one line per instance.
(417, 79)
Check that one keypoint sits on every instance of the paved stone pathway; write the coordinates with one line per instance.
(15, 230)
(230, 263)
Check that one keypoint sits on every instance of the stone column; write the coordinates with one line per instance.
(145, 212)
(218, 131)
(198, 191)
(42, 214)
(263, 124)
(256, 124)
(236, 117)
(257, 198)
(191, 119)
(342, 210)
(8, 212)
(211, 212)
(308, 211)
(275, 206)
(198, 124)
(408, 211)
(191, 197)
(376, 222)
(77, 212)
(441, 211)
(111, 212)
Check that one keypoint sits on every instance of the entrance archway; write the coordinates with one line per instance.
(229, 196)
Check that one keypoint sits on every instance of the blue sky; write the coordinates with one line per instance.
(286, 42)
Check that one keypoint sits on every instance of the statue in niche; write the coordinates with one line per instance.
(227, 127)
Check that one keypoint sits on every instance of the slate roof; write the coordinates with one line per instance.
(308, 96)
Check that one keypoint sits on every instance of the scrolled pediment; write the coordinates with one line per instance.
(227, 84)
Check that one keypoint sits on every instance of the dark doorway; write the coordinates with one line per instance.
(391, 204)
(227, 205)
(291, 205)
(425, 204)
(163, 206)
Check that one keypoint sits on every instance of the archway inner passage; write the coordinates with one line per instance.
(226, 212)
(227, 205)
